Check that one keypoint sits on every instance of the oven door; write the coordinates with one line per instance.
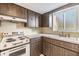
(18, 51)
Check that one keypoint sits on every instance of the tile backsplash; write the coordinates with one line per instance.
(10, 27)
(50, 31)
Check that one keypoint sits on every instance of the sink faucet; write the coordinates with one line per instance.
(64, 34)
(67, 35)
(61, 34)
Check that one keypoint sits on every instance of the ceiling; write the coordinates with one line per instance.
(41, 7)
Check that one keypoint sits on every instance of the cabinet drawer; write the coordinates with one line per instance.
(47, 39)
(66, 45)
(63, 44)
(71, 46)
(33, 40)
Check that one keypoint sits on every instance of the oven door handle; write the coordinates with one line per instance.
(16, 49)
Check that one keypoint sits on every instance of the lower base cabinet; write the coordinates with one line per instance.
(69, 53)
(36, 47)
(49, 49)
(58, 51)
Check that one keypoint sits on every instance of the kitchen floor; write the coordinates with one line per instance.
(41, 55)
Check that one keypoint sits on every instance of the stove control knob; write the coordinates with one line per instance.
(5, 45)
(26, 40)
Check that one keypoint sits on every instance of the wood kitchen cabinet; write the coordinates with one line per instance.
(47, 20)
(4, 8)
(36, 47)
(53, 47)
(31, 19)
(13, 10)
(38, 20)
(21, 12)
(46, 48)
(17, 11)
(34, 19)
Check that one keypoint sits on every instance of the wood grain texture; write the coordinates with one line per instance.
(35, 47)
(53, 47)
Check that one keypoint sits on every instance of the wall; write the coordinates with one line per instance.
(10, 27)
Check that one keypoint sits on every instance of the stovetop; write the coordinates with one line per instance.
(12, 41)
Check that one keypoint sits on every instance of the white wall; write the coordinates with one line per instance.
(10, 27)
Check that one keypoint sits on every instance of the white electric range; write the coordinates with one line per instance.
(18, 45)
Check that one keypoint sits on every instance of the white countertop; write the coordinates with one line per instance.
(66, 39)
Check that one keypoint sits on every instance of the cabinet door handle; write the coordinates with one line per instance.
(1, 18)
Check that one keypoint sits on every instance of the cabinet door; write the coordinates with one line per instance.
(17, 11)
(45, 20)
(4, 8)
(31, 19)
(47, 48)
(44, 47)
(40, 20)
(56, 51)
(36, 47)
(70, 17)
(20, 12)
(25, 14)
(69, 53)
(59, 21)
(12, 10)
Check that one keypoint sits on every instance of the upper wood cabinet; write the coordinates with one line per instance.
(21, 12)
(14, 10)
(47, 20)
(4, 8)
(31, 19)
(38, 20)
(17, 11)
(34, 19)
(10, 9)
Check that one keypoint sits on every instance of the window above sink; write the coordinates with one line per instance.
(66, 20)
